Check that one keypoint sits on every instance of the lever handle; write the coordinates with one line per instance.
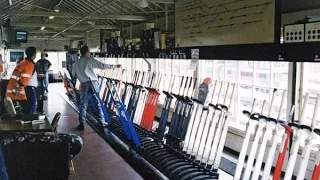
(272, 101)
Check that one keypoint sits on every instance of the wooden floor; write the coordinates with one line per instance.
(97, 160)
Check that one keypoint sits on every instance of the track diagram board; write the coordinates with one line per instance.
(224, 22)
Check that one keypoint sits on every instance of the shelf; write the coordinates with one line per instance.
(297, 52)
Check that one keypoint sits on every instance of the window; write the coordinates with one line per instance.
(165, 67)
(112, 60)
(54, 59)
(141, 64)
(310, 83)
(62, 57)
(174, 70)
(125, 62)
(254, 79)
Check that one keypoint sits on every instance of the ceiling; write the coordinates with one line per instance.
(75, 17)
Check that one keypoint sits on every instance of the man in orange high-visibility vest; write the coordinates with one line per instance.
(23, 82)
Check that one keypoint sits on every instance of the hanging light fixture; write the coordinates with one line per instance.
(143, 3)
(92, 23)
(56, 8)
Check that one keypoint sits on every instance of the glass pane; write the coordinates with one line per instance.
(109, 60)
(263, 94)
(176, 67)
(313, 75)
(206, 70)
(246, 72)
(129, 62)
(122, 61)
(231, 71)
(311, 79)
(138, 64)
(162, 65)
(262, 73)
(280, 72)
(168, 67)
(177, 84)
(245, 102)
(218, 70)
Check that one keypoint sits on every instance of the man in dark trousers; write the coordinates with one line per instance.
(42, 66)
(22, 84)
(84, 70)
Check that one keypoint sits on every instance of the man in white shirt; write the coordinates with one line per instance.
(84, 71)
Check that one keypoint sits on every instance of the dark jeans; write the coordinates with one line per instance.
(29, 106)
(85, 92)
(46, 80)
(3, 171)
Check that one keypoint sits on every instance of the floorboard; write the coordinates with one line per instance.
(97, 160)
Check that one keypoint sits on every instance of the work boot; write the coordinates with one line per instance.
(80, 127)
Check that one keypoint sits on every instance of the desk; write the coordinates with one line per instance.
(11, 125)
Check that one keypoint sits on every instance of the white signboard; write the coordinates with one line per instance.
(224, 22)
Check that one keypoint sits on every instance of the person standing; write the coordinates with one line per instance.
(42, 67)
(83, 70)
(204, 94)
(23, 82)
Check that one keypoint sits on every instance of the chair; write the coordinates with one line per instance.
(55, 121)
(13, 108)
(42, 160)
(9, 106)
(54, 125)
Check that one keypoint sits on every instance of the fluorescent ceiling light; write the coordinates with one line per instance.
(143, 3)
(42, 28)
(51, 17)
(92, 23)
(56, 8)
